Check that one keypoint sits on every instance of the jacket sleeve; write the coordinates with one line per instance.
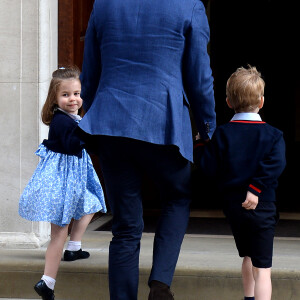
(197, 74)
(91, 67)
(270, 168)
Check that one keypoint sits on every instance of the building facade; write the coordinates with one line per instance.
(28, 56)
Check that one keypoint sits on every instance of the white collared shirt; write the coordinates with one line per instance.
(73, 116)
(246, 116)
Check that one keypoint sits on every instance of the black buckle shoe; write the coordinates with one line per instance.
(45, 292)
(160, 291)
(74, 255)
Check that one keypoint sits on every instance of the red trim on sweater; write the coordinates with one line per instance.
(198, 145)
(255, 188)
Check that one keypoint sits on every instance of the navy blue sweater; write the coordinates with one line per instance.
(244, 156)
(62, 137)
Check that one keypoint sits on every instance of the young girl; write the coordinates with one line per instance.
(64, 184)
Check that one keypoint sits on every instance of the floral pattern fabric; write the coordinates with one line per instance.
(62, 187)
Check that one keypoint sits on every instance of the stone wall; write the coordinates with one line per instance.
(28, 56)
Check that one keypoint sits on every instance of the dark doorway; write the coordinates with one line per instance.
(262, 33)
(213, 226)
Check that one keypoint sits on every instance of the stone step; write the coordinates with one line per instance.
(208, 269)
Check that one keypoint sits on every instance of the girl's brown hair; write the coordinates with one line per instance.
(244, 89)
(71, 72)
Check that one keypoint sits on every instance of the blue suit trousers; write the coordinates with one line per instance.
(123, 161)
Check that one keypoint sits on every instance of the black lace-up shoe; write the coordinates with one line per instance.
(74, 255)
(45, 292)
(160, 291)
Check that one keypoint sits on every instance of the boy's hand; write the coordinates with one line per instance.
(251, 201)
(197, 137)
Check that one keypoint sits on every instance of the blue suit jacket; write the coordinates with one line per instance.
(145, 63)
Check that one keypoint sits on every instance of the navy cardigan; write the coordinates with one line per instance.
(62, 137)
(244, 156)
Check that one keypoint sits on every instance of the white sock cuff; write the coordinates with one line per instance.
(50, 282)
(74, 245)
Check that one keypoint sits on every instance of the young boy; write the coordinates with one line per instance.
(246, 156)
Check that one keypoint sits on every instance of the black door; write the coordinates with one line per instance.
(262, 33)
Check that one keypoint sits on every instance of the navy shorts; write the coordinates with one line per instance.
(253, 231)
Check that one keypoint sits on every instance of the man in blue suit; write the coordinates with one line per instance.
(145, 64)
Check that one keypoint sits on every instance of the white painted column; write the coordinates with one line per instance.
(28, 56)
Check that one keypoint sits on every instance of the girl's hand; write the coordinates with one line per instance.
(251, 201)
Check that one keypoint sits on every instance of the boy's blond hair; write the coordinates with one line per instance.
(244, 89)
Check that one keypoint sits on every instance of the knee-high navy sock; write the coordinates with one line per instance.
(249, 298)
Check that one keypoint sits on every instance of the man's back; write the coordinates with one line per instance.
(140, 58)
(152, 54)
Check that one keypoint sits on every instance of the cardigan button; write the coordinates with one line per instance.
(207, 127)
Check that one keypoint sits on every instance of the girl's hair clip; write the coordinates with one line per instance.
(62, 68)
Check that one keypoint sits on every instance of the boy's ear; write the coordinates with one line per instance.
(262, 100)
(228, 103)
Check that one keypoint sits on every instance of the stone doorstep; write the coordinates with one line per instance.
(187, 285)
(208, 269)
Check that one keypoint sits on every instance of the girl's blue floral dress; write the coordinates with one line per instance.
(62, 187)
